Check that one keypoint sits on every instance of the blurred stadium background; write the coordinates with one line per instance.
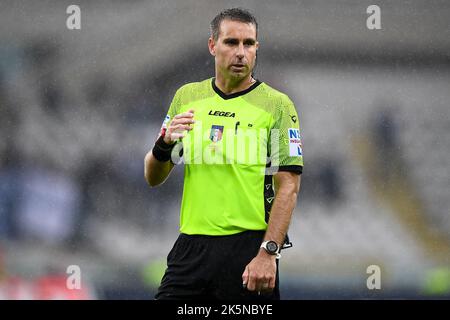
(79, 109)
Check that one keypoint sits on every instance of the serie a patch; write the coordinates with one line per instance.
(295, 143)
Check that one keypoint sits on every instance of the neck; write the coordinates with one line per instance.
(229, 86)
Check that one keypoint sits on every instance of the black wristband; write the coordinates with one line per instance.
(161, 150)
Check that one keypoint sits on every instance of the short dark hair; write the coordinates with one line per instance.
(234, 14)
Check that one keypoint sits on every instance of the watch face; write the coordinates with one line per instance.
(272, 246)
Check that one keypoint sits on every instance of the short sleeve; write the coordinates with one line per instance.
(285, 143)
(173, 110)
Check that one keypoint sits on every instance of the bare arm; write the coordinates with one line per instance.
(287, 186)
(260, 273)
(155, 171)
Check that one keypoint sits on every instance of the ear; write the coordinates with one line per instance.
(212, 46)
(257, 45)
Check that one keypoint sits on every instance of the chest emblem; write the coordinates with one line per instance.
(216, 133)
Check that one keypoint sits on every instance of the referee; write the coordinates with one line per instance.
(240, 142)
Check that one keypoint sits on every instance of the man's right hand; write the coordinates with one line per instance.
(177, 127)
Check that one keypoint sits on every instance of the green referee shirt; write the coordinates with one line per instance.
(235, 141)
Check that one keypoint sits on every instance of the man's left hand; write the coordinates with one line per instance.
(260, 274)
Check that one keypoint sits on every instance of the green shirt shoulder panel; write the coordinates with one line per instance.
(189, 93)
(285, 121)
(195, 91)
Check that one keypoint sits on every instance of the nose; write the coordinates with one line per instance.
(240, 51)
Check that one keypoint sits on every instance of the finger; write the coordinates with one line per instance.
(266, 287)
(188, 114)
(251, 285)
(182, 121)
(272, 283)
(245, 277)
(175, 135)
(180, 127)
(264, 284)
(259, 285)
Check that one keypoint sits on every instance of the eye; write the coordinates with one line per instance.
(231, 42)
(249, 43)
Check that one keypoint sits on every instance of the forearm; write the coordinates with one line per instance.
(260, 273)
(280, 216)
(282, 209)
(155, 171)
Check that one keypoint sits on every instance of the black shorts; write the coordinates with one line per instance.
(211, 268)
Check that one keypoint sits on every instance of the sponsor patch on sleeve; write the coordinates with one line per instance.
(295, 143)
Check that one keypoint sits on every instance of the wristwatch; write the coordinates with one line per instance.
(272, 248)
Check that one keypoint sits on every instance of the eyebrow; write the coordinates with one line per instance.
(248, 40)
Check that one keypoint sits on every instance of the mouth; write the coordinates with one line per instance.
(238, 66)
